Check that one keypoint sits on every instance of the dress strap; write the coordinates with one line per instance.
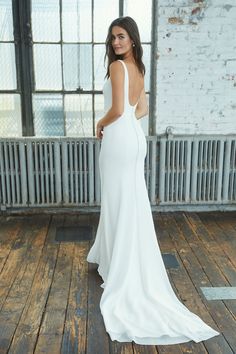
(126, 82)
(126, 86)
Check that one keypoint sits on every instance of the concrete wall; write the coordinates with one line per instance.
(196, 70)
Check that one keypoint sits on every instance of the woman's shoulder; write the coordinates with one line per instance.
(116, 64)
(116, 67)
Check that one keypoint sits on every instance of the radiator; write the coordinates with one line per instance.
(44, 172)
(197, 169)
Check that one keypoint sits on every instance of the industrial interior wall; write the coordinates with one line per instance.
(196, 66)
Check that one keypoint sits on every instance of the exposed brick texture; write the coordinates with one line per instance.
(196, 71)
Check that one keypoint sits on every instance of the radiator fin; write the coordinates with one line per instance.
(65, 171)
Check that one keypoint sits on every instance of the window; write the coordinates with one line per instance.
(52, 52)
(10, 105)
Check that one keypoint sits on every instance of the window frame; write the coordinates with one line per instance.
(21, 11)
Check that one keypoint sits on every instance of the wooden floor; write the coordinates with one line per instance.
(49, 294)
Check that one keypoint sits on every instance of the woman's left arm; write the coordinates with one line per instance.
(117, 108)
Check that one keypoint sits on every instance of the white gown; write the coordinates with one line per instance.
(138, 303)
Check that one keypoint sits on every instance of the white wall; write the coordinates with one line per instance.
(196, 70)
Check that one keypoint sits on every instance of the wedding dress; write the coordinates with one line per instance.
(138, 303)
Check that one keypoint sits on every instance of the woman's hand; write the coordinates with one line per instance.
(99, 130)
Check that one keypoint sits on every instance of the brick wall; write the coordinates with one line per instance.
(196, 71)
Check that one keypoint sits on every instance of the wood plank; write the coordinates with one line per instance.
(120, 347)
(74, 336)
(48, 343)
(59, 290)
(6, 332)
(180, 282)
(204, 257)
(166, 245)
(56, 221)
(16, 256)
(52, 294)
(55, 310)
(214, 248)
(9, 229)
(186, 285)
(19, 291)
(230, 217)
(221, 227)
(26, 333)
(196, 272)
(169, 349)
(224, 234)
(98, 339)
(114, 346)
(211, 222)
(145, 349)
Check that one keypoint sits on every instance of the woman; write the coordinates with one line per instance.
(138, 303)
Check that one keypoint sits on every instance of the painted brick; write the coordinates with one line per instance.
(196, 69)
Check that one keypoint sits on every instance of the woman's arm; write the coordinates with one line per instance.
(117, 83)
(142, 106)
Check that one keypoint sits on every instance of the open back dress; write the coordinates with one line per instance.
(138, 302)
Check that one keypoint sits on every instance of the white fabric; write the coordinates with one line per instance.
(138, 303)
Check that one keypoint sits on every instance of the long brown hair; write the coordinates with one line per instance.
(128, 24)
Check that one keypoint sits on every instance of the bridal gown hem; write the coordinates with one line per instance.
(138, 302)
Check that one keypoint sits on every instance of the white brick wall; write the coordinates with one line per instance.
(196, 71)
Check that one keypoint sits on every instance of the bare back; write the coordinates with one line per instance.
(136, 83)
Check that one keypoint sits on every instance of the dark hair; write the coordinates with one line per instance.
(131, 28)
